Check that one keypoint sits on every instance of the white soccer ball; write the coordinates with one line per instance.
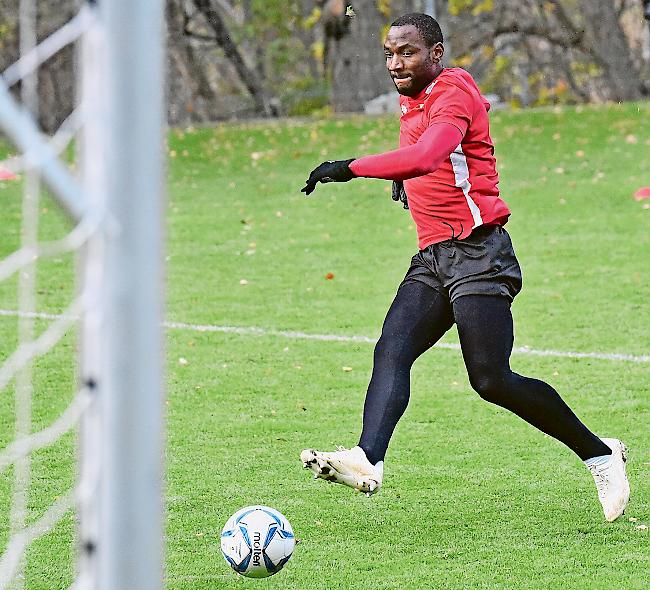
(257, 541)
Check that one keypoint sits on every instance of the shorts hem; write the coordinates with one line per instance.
(425, 281)
(498, 290)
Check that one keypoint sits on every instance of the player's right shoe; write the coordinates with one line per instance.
(611, 480)
(349, 467)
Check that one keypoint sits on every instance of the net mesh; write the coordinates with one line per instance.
(39, 251)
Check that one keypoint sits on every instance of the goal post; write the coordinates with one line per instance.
(114, 197)
(131, 532)
(122, 542)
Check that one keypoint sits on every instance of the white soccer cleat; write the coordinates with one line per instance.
(611, 481)
(347, 466)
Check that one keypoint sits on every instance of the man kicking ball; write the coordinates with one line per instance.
(465, 272)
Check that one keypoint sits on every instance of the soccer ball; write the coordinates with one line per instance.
(257, 541)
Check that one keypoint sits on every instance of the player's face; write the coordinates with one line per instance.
(411, 64)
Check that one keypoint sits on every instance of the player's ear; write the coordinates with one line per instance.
(436, 52)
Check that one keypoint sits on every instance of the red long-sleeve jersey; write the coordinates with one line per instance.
(446, 160)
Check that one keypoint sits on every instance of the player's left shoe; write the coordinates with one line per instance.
(611, 480)
(349, 467)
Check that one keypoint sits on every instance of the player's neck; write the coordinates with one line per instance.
(423, 92)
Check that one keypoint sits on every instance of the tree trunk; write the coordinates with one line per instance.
(358, 65)
(56, 82)
(224, 40)
(184, 79)
(606, 41)
(308, 38)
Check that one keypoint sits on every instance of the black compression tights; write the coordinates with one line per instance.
(416, 320)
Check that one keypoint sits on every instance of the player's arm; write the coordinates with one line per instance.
(423, 157)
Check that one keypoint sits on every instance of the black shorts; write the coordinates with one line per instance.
(484, 263)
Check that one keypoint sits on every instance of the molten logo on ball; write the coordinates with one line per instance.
(257, 548)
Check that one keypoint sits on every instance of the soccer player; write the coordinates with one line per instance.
(465, 271)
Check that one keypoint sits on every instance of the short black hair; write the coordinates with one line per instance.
(427, 25)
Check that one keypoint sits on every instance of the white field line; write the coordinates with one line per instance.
(257, 331)
(254, 331)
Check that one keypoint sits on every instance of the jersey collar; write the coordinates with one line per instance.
(416, 101)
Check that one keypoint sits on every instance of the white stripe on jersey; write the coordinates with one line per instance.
(461, 174)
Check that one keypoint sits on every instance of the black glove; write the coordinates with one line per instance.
(337, 171)
(399, 194)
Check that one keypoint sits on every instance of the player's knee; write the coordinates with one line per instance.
(393, 350)
(489, 384)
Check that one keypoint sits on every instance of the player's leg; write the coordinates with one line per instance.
(485, 329)
(416, 320)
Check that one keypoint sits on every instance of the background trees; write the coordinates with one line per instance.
(56, 80)
(243, 58)
(537, 51)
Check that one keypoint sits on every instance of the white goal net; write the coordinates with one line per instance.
(80, 306)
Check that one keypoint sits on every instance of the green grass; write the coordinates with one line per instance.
(473, 497)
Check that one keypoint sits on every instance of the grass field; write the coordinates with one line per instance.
(473, 497)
